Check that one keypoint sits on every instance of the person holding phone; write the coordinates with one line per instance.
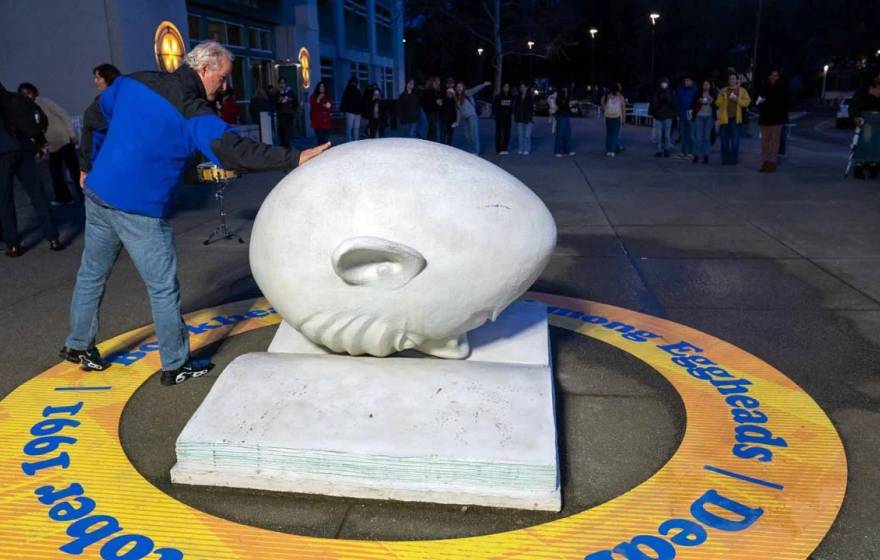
(731, 101)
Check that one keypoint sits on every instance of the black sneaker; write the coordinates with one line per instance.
(90, 359)
(193, 368)
(658, 154)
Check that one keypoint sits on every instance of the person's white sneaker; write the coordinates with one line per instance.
(609, 154)
(503, 153)
(570, 153)
(558, 155)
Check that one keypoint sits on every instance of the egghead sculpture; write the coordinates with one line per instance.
(393, 244)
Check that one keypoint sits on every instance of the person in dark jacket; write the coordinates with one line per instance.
(502, 110)
(22, 138)
(409, 108)
(286, 106)
(433, 100)
(378, 115)
(663, 109)
(773, 105)
(130, 188)
(684, 99)
(91, 137)
(448, 116)
(524, 115)
(351, 106)
(365, 107)
(563, 124)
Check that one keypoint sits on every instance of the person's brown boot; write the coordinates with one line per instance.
(763, 167)
(771, 168)
(55, 245)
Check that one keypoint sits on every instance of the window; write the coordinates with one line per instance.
(388, 83)
(328, 76)
(259, 39)
(356, 24)
(384, 42)
(192, 23)
(236, 79)
(233, 33)
(261, 71)
(361, 73)
(217, 31)
(326, 23)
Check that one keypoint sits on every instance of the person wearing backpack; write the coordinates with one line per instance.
(22, 139)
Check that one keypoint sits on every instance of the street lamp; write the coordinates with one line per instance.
(593, 32)
(824, 79)
(531, 74)
(480, 51)
(654, 17)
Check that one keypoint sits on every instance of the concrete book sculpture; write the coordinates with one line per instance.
(382, 247)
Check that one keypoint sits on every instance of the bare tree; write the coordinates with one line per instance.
(506, 27)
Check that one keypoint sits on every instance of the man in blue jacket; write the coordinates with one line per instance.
(684, 97)
(155, 123)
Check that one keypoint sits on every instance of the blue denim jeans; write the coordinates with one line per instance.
(352, 126)
(412, 129)
(686, 132)
(524, 137)
(471, 127)
(612, 135)
(563, 135)
(663, 134)
(702, 135)
(150, 244)
(730, 143)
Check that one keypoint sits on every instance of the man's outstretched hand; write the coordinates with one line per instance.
(306, 155)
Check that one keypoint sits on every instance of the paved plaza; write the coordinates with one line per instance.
(785, 266)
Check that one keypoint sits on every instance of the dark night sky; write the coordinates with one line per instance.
(699, 37)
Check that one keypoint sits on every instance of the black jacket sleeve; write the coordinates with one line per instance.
(93, 120)
(24, 118)
(237, 152)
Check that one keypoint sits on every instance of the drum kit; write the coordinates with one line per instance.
(210, 173)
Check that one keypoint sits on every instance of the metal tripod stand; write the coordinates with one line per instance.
(222, 231)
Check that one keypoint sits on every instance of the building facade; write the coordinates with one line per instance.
(56, 43)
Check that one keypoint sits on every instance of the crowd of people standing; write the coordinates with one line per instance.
(694, 112)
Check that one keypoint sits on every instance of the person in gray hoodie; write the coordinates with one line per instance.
(467, 109)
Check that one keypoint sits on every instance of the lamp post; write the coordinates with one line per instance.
(531, 74)
(654, 17)
(406, 58)
(593, 56)
(824, 79)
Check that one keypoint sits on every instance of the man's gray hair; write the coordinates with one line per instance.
(207, 53)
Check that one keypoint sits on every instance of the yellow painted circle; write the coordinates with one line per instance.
(792, 498)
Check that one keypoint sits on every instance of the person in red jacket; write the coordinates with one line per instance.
(321, 104)
(229, 109)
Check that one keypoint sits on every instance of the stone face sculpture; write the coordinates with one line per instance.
(385, 245)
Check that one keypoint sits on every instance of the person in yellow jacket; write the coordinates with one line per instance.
(731, 101)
